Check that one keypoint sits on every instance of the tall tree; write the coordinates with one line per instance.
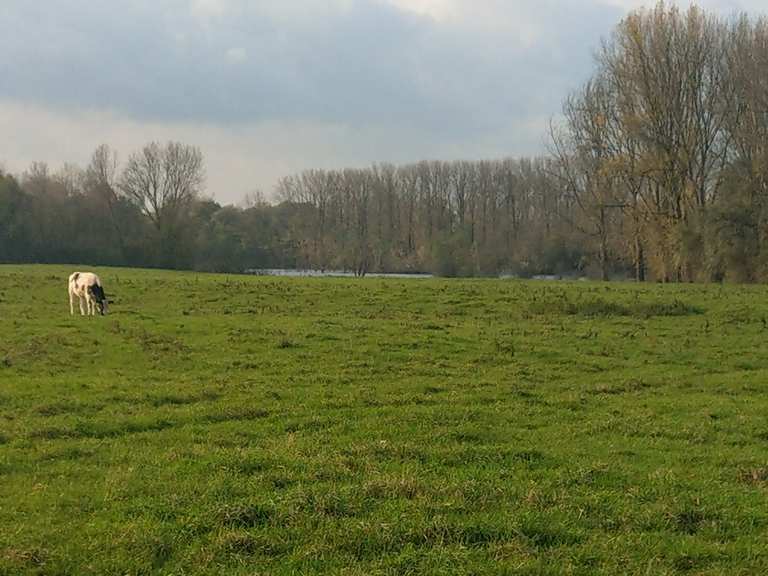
(163, 181)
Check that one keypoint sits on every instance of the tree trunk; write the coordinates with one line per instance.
(603, 246)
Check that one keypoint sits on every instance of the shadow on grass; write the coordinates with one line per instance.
(99, 429)
(604, 308)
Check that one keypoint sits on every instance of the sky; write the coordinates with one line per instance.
(273, 87)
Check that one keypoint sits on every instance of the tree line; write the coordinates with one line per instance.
(664, 149)
(449, 218)
(150, 213)
(658, 170)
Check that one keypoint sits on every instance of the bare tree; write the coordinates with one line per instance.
(163, 181)
(101, 174)
(36, 180)
(583, 154)
(69, 180)
(667, 70)
(101, 184)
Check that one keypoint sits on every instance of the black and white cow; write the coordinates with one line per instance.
(87, 287)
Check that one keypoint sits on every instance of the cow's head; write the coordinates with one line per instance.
(101, 298)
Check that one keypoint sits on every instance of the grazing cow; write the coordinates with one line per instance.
(87, 287)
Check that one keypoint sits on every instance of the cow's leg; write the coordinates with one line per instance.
(80, 301)
(71, 303)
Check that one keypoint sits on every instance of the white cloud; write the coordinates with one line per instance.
(249, 156)
(516, 20)
(237, 55)
(439, 10)
(208, 9)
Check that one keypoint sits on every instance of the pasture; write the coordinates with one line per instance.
(251, 425)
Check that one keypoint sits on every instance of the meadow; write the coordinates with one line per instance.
(239, 425)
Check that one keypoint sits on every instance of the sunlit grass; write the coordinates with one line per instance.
(243, 425)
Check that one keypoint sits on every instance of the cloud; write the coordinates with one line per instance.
(331, 61)
(249, 156)
(237, 55)
(268, 87)
(517, 20)
(207, 9)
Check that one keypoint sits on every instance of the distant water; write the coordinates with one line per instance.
(325, 273)
(304, 273)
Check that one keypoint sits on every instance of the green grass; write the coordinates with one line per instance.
(250, 425)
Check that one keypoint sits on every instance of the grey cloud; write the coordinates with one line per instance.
(368, 63)
(283, 86)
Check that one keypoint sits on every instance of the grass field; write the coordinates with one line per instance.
(250, 425)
